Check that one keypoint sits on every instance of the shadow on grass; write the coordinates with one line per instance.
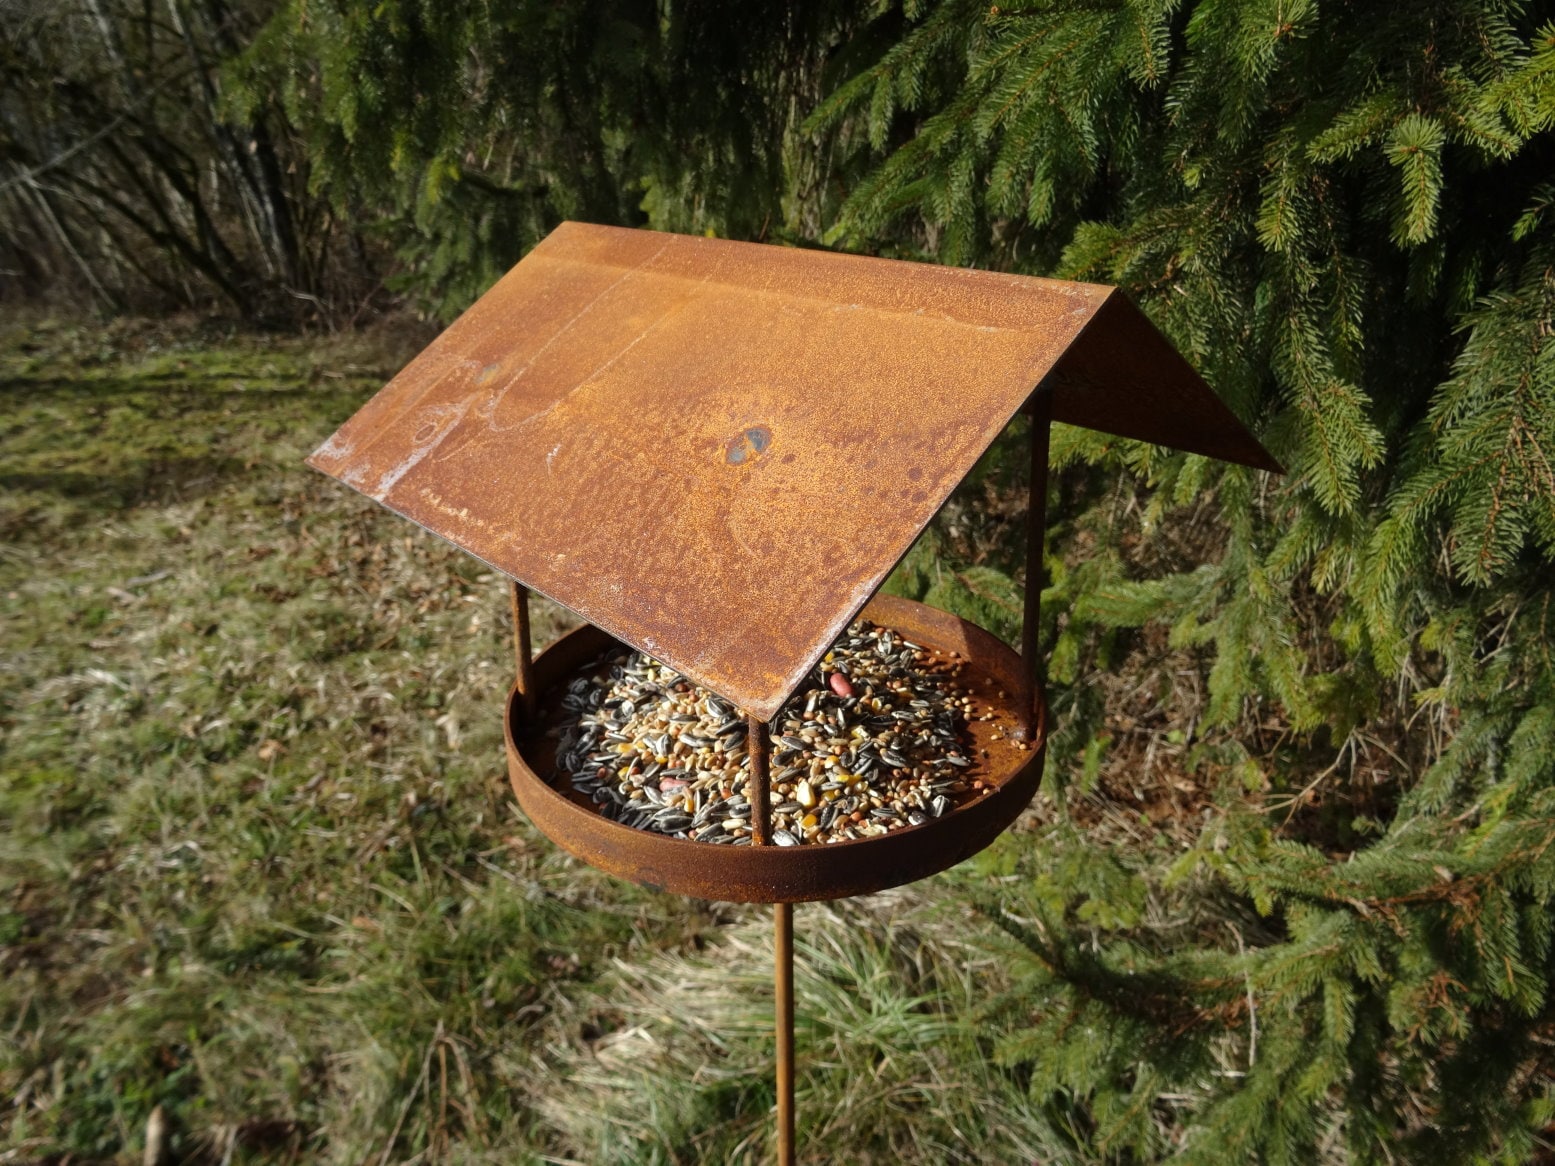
(148, 482)
(209, 385)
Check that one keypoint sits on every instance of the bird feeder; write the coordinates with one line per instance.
(715, 453)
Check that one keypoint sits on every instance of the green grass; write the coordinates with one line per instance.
(258, 860)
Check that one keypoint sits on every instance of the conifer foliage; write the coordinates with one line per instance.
(1342, 213)
(466, 129)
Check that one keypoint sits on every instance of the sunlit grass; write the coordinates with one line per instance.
(888, 1068)
(258, 860)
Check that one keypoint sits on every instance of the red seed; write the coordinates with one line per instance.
(841, 685)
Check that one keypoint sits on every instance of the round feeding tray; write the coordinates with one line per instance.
(991, 674)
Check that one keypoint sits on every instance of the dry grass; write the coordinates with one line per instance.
(887, 1068)
(259, 865)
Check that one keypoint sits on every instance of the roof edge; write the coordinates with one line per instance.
(1121, 376)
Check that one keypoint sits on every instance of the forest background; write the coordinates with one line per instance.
(1287, 895)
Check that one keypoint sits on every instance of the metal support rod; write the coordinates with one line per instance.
(1041, 409)
(759, 791)
(784, 959)
(523, 657)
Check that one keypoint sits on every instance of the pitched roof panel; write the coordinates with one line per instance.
(716, 451)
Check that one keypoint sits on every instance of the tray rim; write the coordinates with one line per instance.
(781, 874)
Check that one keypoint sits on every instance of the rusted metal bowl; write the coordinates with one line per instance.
(788, 874)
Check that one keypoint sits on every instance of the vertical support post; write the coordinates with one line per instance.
(759, 791)
(784, 996)
(1041, 410)
(522, 655)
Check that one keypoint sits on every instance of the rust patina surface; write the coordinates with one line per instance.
(716, 451)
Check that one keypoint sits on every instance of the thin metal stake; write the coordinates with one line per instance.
(523, 657)
(783, 914)
(759, 744)
(1041, 409)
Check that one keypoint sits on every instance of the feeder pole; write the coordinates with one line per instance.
(522, 654)
(1041, 409)
(784, 959)
(760, 794)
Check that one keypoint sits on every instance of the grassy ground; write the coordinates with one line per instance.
(259, 866)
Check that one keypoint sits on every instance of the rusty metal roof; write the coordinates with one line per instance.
(717, 451)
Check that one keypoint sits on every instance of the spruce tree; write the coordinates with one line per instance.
(1342, 213)
(462, 131)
